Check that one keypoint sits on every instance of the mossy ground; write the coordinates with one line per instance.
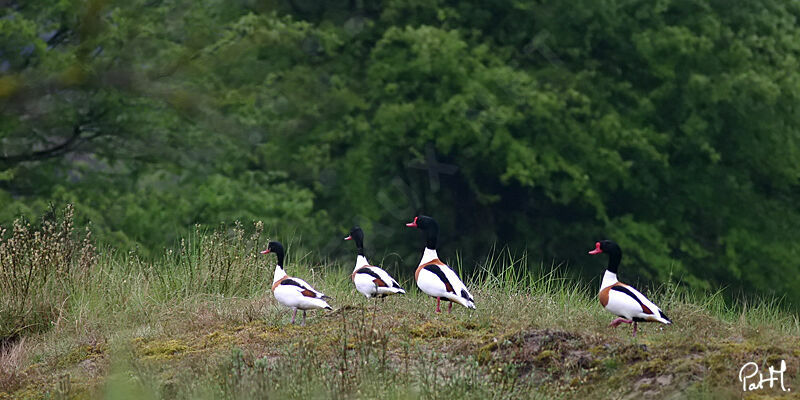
(547, 341)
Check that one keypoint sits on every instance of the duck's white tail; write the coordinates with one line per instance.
(663, 318)
(469, 303)
(395, 290)
(323, 304)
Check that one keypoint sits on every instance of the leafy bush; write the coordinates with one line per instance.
(40, 267)
(223, 261)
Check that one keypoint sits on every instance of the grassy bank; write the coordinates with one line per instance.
(200, 322)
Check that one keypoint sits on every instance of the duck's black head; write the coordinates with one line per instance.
(429, 226)
(277, 248)
(357, 235)
(612, 249)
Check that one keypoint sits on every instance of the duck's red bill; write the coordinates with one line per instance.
(597, 249)
(412, 224)
(265, 251)
(349, 237)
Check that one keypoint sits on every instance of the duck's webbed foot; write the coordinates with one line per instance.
(615, 323)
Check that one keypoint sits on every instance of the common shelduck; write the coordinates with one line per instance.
(623, 300)
(294, 293)
(370, 280)
(433, 276)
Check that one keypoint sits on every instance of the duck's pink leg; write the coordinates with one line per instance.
(294, 314)
(634, 328)
(615, 323)
(438, 299)
(450, 307)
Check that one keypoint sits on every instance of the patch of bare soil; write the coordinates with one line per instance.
(592, 365)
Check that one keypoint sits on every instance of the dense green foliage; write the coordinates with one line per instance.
(670, 127)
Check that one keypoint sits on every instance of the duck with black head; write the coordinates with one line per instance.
(371, 281)
(433, 276)
(623, 300)
(294, 293)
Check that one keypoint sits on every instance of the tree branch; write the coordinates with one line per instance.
(57, 37)
(71, 143)
(47, 153)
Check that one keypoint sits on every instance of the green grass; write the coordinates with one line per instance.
(200, 322)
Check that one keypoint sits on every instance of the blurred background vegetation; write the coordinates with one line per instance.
(668, 126)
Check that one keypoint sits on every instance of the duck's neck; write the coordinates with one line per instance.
(279, 253)
(428, 255)
(279, 273)
(614, 258)
(359, 245)
(431, 237)
(361, 261)
(609, 278)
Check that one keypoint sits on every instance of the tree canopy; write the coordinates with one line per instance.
(668, 126)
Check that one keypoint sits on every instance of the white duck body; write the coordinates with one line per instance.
(627, 302)
(372, 281)
(445, 284)
(296, 293)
